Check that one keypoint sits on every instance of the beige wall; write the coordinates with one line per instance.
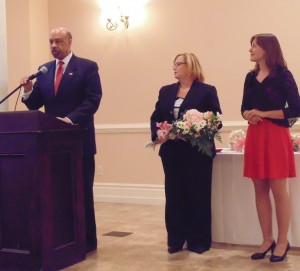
(3, 55)
(136, 62)
(27, 40)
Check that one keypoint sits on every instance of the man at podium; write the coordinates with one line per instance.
(71, 91)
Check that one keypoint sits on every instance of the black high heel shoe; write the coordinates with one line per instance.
(275, 258)
(261, 255)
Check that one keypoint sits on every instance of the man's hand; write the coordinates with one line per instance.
(65, 120)
(27, 85)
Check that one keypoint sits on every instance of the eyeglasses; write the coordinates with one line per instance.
(177, 64)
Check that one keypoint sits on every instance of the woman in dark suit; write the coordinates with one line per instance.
(188, 172)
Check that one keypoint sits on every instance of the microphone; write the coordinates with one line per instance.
(35, 75)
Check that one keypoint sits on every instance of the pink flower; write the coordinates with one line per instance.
(193, 116)
(164, 126)
(297, 141)
(194, 127)
(239, 145)
(237, 140)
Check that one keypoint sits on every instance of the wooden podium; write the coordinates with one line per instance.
(41, 193)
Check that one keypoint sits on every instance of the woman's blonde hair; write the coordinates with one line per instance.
(193, 65)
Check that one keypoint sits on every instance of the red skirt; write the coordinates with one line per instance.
(269, 152)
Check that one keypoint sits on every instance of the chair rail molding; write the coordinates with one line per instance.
(117, 128)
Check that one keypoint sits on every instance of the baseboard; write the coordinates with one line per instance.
(129, 193)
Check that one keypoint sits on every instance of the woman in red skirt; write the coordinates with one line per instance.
(271, 103)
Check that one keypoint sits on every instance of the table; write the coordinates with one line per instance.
(234, 217)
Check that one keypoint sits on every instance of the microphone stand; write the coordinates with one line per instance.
(7, 96)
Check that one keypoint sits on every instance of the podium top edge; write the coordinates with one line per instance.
(31, 121)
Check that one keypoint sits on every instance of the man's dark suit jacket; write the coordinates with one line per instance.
(78, 96)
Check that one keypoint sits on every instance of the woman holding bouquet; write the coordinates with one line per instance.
(270, 103)
(188, 172)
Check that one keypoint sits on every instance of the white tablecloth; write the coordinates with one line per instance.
(234, 217)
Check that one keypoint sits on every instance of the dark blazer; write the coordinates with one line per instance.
(202, 97)
(78, 96)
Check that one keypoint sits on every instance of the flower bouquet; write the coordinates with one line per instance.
(296, 142)
(197, 128)
(237, 140)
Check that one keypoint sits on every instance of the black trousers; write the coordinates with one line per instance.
(88, 183)
(188, 175)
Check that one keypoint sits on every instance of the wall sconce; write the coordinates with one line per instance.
(111, 25)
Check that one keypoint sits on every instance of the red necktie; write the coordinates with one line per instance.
(59, 75)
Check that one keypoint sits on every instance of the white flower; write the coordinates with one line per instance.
(197, 128)
(235, 135)
(237, 140)
(296, 141)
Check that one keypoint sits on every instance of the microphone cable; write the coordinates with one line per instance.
(17, 99)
